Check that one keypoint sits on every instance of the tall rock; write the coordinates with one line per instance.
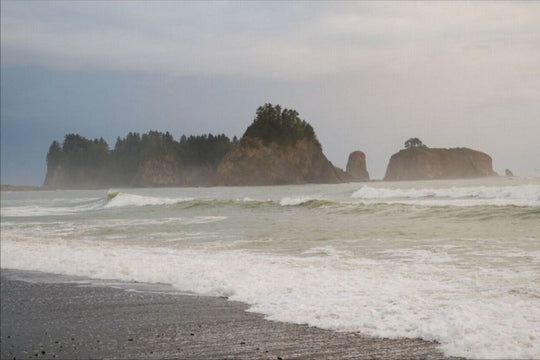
(254, 161)
(356, 166)
(423, 163)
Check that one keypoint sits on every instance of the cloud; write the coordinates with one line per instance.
(266, 40)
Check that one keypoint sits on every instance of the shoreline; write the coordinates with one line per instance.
(21, 188)
(53, 316)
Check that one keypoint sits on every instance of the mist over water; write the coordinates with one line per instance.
(452, 261)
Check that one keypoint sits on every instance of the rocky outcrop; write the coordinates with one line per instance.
(55, 176)
(423, 163)
(254, 161)
(162, 171)
(356, 166)
(166, 171)
(342, 175)
(508, 173)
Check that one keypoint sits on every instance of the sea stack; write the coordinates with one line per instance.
(423, 163)
(356, 166)
(277, 149)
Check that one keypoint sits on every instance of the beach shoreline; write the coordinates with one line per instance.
(50, 317)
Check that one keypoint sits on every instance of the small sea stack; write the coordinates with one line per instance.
(356, 166)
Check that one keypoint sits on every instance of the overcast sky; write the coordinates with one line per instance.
(366, 75)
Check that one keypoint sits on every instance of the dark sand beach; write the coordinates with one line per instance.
(49, 316)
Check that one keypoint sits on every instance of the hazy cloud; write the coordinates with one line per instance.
(268, 40)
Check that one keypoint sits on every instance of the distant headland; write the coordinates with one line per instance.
(278, 148)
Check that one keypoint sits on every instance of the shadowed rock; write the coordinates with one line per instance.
(356, 166)
(256, 162)
(423, 163)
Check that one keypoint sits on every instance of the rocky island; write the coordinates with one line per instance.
(418, 162)
(356, 166)
(278, 148)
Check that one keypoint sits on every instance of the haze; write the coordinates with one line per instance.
(366, 75)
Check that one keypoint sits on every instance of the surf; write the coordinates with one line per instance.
(523, 195)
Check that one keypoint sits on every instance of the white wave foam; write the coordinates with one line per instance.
(73, 206)
(524, 195)
(37, 210)
(125, 199)
(471, 315)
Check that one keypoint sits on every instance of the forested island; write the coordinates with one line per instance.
(277, 148)
(153, 158)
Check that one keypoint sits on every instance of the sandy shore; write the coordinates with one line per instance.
(48, 316)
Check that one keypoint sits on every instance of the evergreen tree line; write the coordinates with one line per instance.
(81, 158)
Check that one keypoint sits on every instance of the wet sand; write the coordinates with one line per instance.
(49, 316)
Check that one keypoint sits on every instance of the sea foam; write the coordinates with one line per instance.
(524, 195)
(74, 206)
(122, 199)
(471, 313)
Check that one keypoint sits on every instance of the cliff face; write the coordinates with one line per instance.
(163, 171)
(78, 178)
(423, 163)
(256, 162)
(166, 171)
(356, 166)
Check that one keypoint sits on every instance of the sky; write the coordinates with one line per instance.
(366, 75)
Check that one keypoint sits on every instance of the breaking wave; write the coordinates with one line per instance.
(121, 199)
(525, 195)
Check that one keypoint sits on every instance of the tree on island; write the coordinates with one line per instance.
(414, 143)
(284, 126)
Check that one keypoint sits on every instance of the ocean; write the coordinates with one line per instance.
(456, 261)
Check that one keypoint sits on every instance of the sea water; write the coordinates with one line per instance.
(453, 261)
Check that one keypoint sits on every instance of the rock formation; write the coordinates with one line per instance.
(423, 163)
(356, 166)
(166, 171)
(342, 175)
(508, 173)
(163, 171)
(254, 161)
